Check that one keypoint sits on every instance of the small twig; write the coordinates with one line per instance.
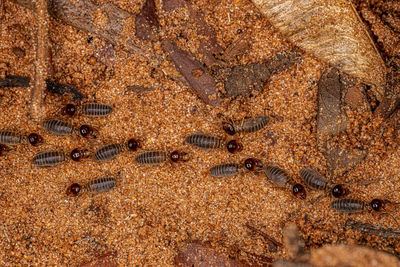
(367, 228)
(272, 242)
(5, 233)
(41, 61)
(14, 81)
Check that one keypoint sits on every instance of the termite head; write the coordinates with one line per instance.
(253, 164)
(133, 144)
(339, 191)
(78, 154)
(299, 191)
(228, 128)
(234, 146)
(74, 189)
(177, 156)
(3, 148)
(34, 139)
(378, 204)
(69, 109)
(88, 132)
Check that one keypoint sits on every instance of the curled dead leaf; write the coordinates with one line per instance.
(333, 32)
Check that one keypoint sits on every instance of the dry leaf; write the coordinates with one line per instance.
(333, 32)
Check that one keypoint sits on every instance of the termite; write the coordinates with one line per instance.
(158, 157)
(254, 165)
(49, 158)
(226, 170)
(14, 138)
(315, 180)
(208, 142)
(63, 128)
(281, 179)
(248, 125)
(99, 185)
(79, 154)
(109, 152)
(349, 205)
(88, 109)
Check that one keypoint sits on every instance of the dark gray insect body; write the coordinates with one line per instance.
(205, 141)
(152, 157)
(251, 125)
(49, 158)
(109, 152)
(100, 185)
(95, 110)
(11, 138)
(349, 205)
(314, 179)
(225, 170)
(58, 127)
(277, 176)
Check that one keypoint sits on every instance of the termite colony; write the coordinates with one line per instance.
(204, 141)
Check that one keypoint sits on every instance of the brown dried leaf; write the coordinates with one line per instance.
(330, 120)
(340, 159)
(147, 21)
(170, 5)
(243, 79)
(203, 84)
(331, 30)
(195, 254)
(208, 45)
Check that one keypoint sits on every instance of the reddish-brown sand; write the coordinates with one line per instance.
(154, 208)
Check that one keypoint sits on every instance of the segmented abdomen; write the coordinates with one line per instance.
(10, 138)
(251, 125)
(58, 127)
(48, 158)
(349, 205)
(108, 152)
(205, 141)
(101, 185)
(277, 176)
(313, 179)
(96, 110)
(152, 157)
(224, 170)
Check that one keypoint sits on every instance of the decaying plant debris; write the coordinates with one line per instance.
(333, 32)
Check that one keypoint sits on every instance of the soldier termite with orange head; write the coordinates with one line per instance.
(315, 180)
(88, 109)
(14, 138)
(79, 154)
(249, 125)
(208, 142)
(109, 152)
(254, 165)
(158, 157)
(281, 179)
(349, 205)
(96, 186)
(63, 128)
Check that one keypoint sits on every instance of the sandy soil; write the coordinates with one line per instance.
(155, 208)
